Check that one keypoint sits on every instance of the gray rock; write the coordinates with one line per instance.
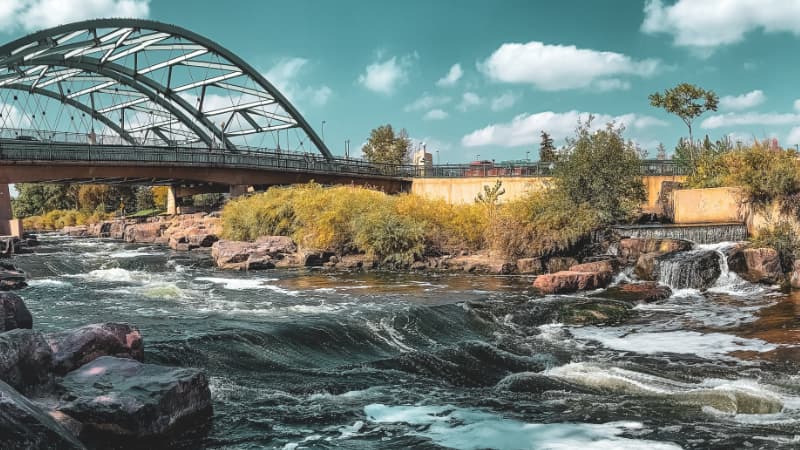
(24, 426)
(79, 346)
(13, 313)
(25, 359)
(11, 278)
(122, 398)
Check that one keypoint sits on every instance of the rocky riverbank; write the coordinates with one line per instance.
(673, 262)
(89, 386)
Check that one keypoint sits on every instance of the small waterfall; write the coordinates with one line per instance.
(696, 269)
(700, 233)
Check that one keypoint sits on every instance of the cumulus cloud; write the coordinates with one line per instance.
(744, 101)
(525, 129)
(435, 114)
(285, 75)
(749, 118)
(504, 101)
(797, 105)
(427, 101)
(562, 67)
(469, 100)
(452, 76)
(385, 76)
(794, 137)
(31, 15)
(707, 24)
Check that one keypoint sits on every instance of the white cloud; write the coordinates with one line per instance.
(525, 129)
(435, 114)
(707, 24)
(561, 67)
(33, 15)
(384, 77)
(452, 76)
(427, 101)
(750, 118)
(794, 137)
(285, 75)
(469, 100)
(797, 105)
(504, 101)
(744, 101)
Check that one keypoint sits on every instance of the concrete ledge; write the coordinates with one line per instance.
(713, 205)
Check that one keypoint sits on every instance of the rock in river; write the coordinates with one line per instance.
(13, 313)
(25, 359)
(123, 398)
(79, 346)
(644, 292)
(567, 281)
(24, 426)
(11, 278)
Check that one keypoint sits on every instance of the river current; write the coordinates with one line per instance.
(311, 359)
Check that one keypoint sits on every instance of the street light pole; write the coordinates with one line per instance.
(323, 131)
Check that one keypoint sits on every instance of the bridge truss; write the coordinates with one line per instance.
(143, 83)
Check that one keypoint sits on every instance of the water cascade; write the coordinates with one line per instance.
(698, 233)
(696, 269)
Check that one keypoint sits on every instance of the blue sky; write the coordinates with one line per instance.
(472, 77)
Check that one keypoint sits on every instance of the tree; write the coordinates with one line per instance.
(688, 102)
(39, 198)
(94, 196)
(144, 198)
(386, 147)
(601, 172)
(547, 151)
(160, 196)
(661, 153)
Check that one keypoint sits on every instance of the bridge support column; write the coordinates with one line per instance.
(238, 190)
(8, 225)
(172, 201)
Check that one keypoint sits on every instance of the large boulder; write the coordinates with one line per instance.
(11, 278)
(123, 398)
(13, 313)
(79, 346)
(262, 254)
(479, 264)
(757, 265)
(24, 426)
(25, 359)
(76, 231)
(566, 282)
(530, 266)
(631, 248)
(148, 233)
(608, 265)
(560, 264)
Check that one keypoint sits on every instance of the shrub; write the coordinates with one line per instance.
(764, 174)
(782, 238)
(395, 239)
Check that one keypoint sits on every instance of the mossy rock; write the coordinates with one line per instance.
(595, 312)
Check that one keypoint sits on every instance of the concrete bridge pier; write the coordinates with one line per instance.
(8, 225)
(238, 190)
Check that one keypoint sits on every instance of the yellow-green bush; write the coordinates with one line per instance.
(60, 218)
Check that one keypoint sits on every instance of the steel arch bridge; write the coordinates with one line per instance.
(141, 82)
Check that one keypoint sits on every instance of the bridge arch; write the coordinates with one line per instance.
(127, 72)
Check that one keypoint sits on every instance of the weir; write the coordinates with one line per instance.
(698, 233)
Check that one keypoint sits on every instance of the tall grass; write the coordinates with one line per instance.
(60, 218)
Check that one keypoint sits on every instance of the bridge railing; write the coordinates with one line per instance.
(59, 146)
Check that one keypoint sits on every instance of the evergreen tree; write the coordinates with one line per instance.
(547, 151)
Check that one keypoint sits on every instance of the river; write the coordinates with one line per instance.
(310, 359)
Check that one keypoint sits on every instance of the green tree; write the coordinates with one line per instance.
(601, 172)
(39, 198)
(144, 198)
(547, 151)
(688, 102)
(384, 146)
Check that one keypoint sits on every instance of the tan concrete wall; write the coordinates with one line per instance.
(464, 190)
(15, 227)
(714, 205)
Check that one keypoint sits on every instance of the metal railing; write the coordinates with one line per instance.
(75, 147)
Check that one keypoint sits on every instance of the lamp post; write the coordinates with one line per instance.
(323, 131)
(528, 156)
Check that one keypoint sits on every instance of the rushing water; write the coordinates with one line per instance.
(301, 359)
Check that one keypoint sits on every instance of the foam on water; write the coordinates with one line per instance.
(706, 345)
(466, 429)
(731, 397)
(117, 274)
(238, 284)
(48, 282)
(131, 254)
